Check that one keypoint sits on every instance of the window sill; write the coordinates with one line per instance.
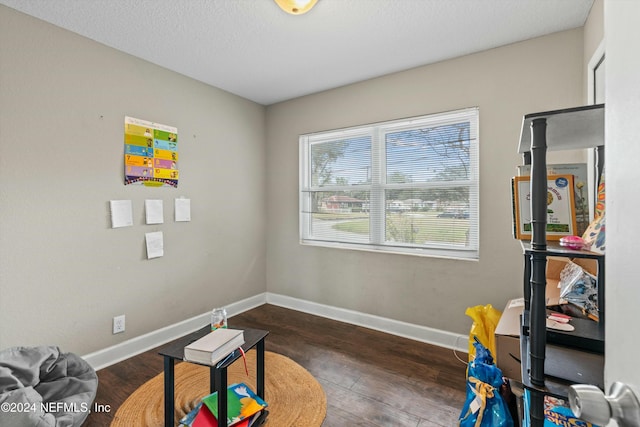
(442, 253)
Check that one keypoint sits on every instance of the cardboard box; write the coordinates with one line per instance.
(555, 266)
(588, 333)
(507, 336)
(507, 333)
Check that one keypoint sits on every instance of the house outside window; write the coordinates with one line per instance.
(405, 186)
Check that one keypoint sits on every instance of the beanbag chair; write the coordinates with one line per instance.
(43, 387)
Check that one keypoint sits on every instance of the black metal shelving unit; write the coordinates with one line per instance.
(549, 369)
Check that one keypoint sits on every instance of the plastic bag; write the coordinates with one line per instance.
(485, 320)
(579, 288)
(484, 405)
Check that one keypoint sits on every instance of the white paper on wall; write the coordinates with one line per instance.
(183, 210)
(154, 211)
(121, 213)
(155, 244)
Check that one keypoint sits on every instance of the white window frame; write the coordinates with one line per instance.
(378, 185)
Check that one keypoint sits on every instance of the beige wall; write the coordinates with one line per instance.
(64, 273)
(505, 83)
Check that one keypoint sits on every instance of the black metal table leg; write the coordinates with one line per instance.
(260, 368)
(169, 369)
(212, 379)
(220, 386)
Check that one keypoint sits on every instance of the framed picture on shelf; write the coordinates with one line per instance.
(580, 188)
(561, 208)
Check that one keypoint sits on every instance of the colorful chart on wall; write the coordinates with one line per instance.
(150, 153)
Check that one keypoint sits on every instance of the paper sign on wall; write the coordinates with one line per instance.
(183, 210)
(150, 153)
(155, 244)
(121, 213)
(153, 211)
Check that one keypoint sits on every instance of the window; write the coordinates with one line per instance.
(406, 186)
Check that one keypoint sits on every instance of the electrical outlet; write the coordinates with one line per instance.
(118, 324)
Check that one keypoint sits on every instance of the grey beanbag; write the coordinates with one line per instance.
(43, 387)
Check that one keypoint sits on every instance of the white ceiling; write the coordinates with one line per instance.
(253, 49)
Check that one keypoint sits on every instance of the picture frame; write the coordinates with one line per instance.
(561, 210)
(581, 188)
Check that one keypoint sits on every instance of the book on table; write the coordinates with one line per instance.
(242, 404)
(205, 418)
(246, 410)
(188, 419)
(214, 346)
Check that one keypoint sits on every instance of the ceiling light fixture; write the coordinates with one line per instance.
(296, 7)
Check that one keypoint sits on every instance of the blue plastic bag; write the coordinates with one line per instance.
(484, 406)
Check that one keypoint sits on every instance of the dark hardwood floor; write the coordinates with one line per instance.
(370, 378)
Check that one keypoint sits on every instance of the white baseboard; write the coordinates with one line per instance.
(407, 330)
(124, 350)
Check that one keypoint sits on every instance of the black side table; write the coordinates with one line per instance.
(254, 338)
